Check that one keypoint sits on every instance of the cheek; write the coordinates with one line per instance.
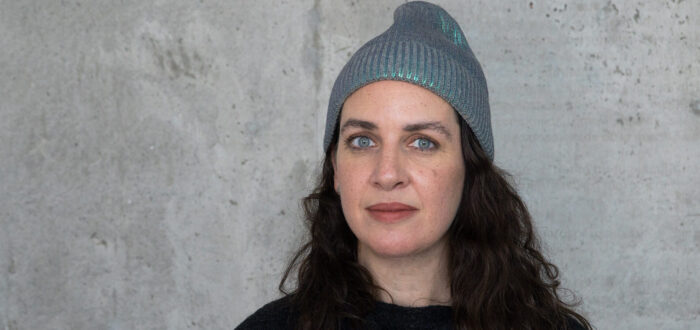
(351, 178)
(441, 179)
(442, 188)
(343, 174)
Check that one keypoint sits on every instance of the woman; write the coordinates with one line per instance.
(411, 224)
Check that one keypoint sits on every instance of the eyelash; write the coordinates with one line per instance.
(348, 142)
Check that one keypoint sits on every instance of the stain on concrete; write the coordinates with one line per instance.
(159, 57)
(608, 15)
(11, 268)
(618, 71)
(636, 15)
(629, 120)
(561, 10)
(12, 325)
(695, 107)
(97, 240)
(173, 64)
(298, 174)
(176, 60)
(610, 8)
(610, 281)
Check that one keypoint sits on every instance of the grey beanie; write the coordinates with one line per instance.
(426, 47)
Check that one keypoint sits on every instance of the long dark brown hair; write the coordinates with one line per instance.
(499, 279)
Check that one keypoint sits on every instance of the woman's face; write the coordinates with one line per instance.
(398, 168)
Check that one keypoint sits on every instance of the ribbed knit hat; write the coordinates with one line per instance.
(426, 47)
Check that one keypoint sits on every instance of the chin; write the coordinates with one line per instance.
(393, 249)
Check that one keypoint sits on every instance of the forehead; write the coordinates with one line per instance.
(395, 102)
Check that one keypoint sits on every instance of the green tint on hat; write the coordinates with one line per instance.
(426, 47)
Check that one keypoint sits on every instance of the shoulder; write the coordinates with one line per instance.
(274, 315)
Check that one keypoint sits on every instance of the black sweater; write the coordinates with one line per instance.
(278, 315)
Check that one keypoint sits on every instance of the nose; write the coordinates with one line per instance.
(389, 172)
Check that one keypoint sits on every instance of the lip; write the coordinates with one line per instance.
(391, 212)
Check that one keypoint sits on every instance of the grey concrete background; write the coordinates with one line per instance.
(153, 153)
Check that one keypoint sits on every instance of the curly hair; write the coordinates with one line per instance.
(499, 279)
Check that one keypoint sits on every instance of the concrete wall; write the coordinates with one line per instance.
(153, 153)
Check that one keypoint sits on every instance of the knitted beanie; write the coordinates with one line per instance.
(426, 47)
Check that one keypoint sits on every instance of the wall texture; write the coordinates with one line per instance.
(153, 153)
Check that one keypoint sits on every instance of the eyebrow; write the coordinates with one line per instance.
(430, 125)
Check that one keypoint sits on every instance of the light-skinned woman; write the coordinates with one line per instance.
(411, 225)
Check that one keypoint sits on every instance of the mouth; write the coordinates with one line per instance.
(391, 212)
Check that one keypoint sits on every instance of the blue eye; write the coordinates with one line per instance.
(423, 144)
(361, 142)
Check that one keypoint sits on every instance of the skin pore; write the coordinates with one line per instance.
(400, 143)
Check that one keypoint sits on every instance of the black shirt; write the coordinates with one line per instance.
(278, 315)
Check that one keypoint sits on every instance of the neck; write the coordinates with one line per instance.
(413, 281)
